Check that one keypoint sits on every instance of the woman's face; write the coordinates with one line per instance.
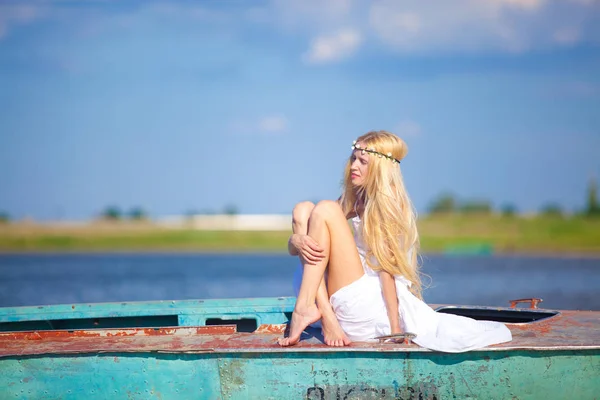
(359, 167)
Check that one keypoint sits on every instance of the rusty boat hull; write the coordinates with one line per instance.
(227, 349)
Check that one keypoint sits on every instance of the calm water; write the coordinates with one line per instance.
(563, 283)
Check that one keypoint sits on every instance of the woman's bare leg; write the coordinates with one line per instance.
(327, 225)
(333, 334)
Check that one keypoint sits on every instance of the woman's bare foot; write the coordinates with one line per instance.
(333, 334)
(301, 318)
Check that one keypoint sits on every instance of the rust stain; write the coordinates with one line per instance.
(216, 330)
(584, 324)
(41, 335)
(533, 302)
(34, 336)
(535, 328)
(176, 343)
(528, 335)
(271, 328)
(570, 329)
(160, 331)
(121, 333)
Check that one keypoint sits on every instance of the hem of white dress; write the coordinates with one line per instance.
(341, 290)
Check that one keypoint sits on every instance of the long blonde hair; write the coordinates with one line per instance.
(389, 219)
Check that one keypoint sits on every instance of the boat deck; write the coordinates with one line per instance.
(569, 330)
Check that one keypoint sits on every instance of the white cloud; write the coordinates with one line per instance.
(300, 14)
(398, 28)
(338, 28)
(521, 4)
(573, 90)
(190, 11)
(273, 124)
(586, 2)
(325, 49)
(483, 25)
(18, 14)
(407, 128)
(567, 36)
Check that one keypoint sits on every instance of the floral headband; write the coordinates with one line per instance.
(355, 146)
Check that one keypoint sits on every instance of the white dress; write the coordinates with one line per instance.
(360, 309)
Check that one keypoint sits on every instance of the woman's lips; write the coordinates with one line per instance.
(353, 176)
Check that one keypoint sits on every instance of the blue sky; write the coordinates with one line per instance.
(179, 106)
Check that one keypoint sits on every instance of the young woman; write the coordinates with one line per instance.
(373, 285)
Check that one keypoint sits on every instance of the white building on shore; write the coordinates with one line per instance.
(241, 222)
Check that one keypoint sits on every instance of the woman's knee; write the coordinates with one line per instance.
(328, 209)
(302, 210)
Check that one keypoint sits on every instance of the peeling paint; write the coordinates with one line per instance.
(271, 328)
(219, 362)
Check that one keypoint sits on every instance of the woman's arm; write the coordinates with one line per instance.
(305, 247)
(388, 285)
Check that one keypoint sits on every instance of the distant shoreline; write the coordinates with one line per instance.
(452, 235)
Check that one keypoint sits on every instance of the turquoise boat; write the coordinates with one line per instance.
(227, 349)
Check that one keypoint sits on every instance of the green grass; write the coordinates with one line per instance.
(541, 234)
(157, 240)
(438, 233)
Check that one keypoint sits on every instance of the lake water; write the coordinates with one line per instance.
(25, 279)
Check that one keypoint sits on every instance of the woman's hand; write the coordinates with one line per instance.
(307, 248)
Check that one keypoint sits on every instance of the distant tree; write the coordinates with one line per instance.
(476, 207)
(231, 209)
(138, 214)
(4, 217)
(190, 216)
(111, 213)
(552, 210)
(445, 203)
(593, 208)
(508, 210)
(191, 212)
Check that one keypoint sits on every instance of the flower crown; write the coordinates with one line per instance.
(355, 146)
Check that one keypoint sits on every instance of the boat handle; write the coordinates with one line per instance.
(533, 302)
(406, 337)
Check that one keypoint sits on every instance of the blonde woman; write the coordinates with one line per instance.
(373, 283)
